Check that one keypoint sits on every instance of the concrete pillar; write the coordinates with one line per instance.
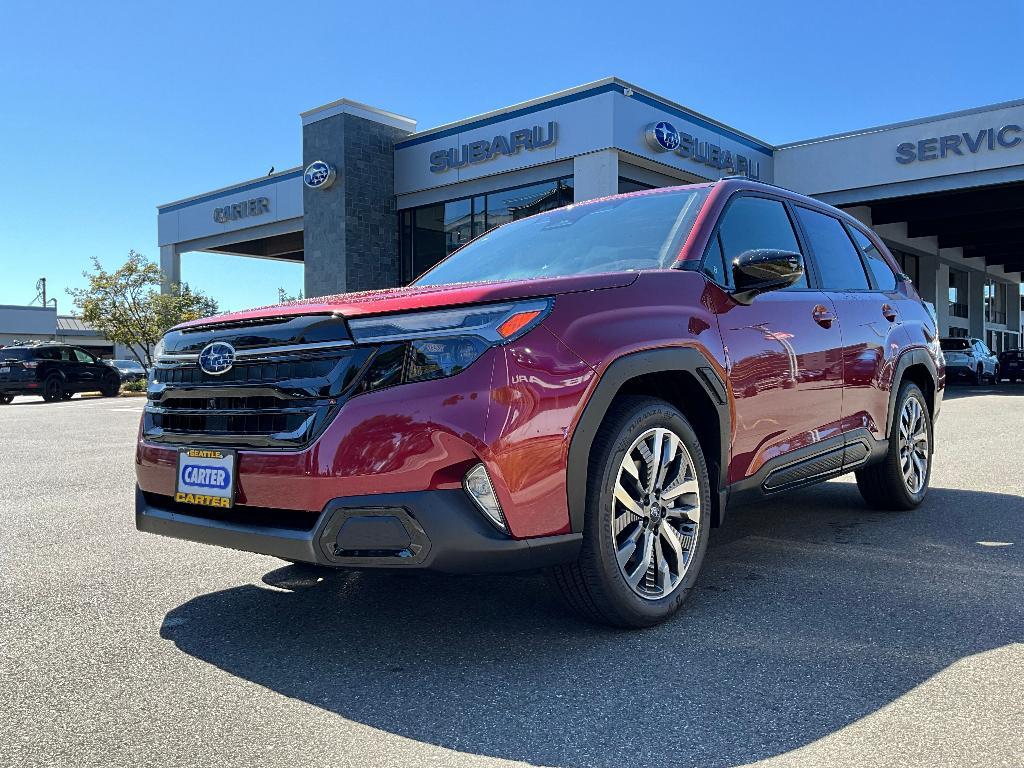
(596, 174)
(170, 266)
(976, 302)
(942, 298)
(928, 278)
(350, 230)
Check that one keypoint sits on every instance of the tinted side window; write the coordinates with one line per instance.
(756, 222)
(83, 357)
(714, 263)
(884, 277)
(837, 259)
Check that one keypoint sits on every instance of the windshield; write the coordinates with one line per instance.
(616, 235)
(954, 345)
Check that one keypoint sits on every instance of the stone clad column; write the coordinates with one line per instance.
(350, 230)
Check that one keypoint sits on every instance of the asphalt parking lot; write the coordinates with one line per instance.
(821, 633)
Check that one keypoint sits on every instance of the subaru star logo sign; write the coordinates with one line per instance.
(217, 358)
(662, 137)
(319, 175)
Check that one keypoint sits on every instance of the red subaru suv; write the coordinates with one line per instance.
(584, 391)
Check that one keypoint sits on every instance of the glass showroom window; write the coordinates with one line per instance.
(430, 233)
(958, 293)
(995, 302)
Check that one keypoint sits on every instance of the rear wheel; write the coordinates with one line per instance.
(647, 519)
(5, 399)
(53, 389)
(995, 375)
(900, 480)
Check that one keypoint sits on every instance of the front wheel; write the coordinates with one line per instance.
(647, 520)
(900, 480)
(111, 386)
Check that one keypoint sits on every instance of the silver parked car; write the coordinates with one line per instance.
(969, 360)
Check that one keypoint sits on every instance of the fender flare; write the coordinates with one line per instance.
(621, 370)
(915, 356)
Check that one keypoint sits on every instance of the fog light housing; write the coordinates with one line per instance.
(477, 485)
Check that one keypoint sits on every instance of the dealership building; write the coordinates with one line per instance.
(376, 201)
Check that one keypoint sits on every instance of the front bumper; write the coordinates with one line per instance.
(436, 530)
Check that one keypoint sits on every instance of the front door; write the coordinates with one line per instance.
(782, 350)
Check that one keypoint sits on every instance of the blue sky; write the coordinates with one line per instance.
(108, 109)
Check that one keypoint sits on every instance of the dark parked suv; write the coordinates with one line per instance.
(585, 390)
(54, 371)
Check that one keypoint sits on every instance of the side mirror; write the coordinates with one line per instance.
(764, 269)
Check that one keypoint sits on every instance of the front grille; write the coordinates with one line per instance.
(280, 401)
(249, 373)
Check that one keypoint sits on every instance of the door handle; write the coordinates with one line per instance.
(823, 316)
(889, 313)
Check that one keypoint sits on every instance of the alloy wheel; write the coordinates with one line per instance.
(914, 453)
(655, 513)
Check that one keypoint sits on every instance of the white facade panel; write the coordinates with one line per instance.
(216, 215)
(583, 126)
(967, 142)
(633, 115)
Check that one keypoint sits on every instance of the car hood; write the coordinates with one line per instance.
(426, 297)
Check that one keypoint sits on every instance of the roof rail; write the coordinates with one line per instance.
(744, 177)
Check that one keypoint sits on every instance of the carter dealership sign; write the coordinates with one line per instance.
(257, 206)
(966, 143)
(482, 150)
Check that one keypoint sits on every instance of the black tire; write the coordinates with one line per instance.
(5, 399)
(594, 585)
(882, 485)
(110, 386)
(995, 375)
(53, 389)
(979, 376)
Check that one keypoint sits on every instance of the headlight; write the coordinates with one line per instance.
(158, 350)
(431, 345)
(492, 323)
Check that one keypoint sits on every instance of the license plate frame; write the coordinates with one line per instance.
(206, 489)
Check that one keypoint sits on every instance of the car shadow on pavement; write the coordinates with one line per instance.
(811, 613)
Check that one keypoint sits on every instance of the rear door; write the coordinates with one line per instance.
(869, 315)
(782, 349)
(88, 369)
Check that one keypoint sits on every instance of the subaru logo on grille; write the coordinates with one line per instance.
(319, 175)
(217, 358)
(663, 137)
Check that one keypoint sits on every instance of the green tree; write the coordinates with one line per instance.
(283, 296)
(127, 307)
